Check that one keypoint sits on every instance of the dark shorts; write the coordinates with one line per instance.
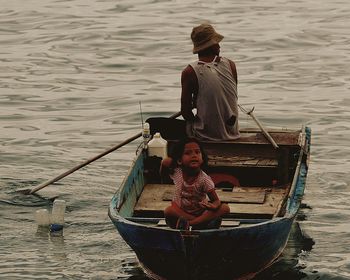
(213, 224)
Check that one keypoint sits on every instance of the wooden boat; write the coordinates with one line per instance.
(263, 187)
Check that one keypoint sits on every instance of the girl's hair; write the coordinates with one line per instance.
(177, 152)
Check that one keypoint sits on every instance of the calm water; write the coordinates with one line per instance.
(72, 75)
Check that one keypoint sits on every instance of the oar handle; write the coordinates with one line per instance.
(70, 171)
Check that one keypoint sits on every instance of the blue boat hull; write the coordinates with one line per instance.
(209, 254)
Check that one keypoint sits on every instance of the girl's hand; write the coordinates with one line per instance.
(167, 162)
(215, 204)
(208, 205)
(166, 166)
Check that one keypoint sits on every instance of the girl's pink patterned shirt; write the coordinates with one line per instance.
(187, 196)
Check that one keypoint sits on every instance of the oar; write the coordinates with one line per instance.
(263, 130)
(70, 171)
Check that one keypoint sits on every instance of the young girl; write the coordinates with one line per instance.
(190, 206)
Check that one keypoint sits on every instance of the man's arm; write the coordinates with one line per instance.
(189, 84)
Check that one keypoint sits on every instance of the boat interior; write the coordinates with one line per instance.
(250, 175)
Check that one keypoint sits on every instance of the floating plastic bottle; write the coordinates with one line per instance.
(158, 146)
(57, 215)
(42, 218)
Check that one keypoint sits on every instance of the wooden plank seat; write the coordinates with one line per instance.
(241, 161)
(151, 203)
(224, 223)
(273, 198)
(228, 197)
(256, 137)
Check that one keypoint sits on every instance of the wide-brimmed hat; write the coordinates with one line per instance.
(204, 36)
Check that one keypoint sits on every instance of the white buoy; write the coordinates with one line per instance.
(42, 218)
(57, 215)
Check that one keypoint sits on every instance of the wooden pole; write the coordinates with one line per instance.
(263, 130)
(70, 171)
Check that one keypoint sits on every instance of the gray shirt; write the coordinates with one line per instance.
(216, 102)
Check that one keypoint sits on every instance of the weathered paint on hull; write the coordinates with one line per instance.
(212, 254)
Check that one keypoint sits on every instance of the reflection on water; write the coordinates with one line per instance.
(289, 266)
(56, 238)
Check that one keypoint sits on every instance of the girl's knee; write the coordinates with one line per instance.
(169, 211)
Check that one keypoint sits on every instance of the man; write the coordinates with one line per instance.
(210, 86)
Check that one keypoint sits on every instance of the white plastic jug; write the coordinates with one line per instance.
(42, 217)
(58, 209)
(158, 146)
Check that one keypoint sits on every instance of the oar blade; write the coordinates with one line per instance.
(23, 191)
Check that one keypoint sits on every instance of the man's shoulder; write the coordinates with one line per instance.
(188, 69)
(188, 72)
(233, 68)
(227, 59)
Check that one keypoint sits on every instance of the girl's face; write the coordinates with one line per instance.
(192, 156)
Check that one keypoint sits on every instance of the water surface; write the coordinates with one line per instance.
(73, 74)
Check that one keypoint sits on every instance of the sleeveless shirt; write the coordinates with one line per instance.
(216, 102)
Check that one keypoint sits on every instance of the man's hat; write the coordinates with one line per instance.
(204, 36)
